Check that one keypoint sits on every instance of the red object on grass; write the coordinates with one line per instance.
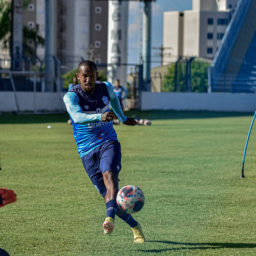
(7, 196)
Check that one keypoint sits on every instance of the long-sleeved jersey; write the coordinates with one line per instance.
(85, 111)
(119, 92)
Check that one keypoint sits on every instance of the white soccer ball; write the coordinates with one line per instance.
(130, 199)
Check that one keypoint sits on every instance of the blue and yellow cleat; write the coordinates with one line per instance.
(138, 234)
(108, 225)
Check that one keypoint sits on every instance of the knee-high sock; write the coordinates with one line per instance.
(127, 218)
(111, 207)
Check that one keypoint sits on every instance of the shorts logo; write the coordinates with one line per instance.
(105, 100)
(86, 107)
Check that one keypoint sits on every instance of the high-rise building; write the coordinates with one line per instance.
(197, 32)
(80, 29)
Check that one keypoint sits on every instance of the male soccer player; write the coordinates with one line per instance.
(74, 82)
(119, 90)
(88, 105)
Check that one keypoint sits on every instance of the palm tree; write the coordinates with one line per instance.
(5, 22)
(29, 35)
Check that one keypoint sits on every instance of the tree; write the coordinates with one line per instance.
(68, 77)
(199, 77)
(169, 78)
(5, 22)
(29, 35)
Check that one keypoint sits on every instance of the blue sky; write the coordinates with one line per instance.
(135, 30)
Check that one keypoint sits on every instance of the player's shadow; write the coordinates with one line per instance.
(197, 246)
(4, 253)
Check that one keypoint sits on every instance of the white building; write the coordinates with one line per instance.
(197, 32)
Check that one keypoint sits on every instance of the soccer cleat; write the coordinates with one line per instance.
(138, 234)
(108, 225)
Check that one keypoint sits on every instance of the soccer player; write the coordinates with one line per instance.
(7, 196)
(74, 82)
(88, 105)
(119, 90)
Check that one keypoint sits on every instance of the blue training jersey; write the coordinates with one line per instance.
(119, 92)
(85, 111)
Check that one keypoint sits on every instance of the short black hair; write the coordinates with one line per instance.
(87, 63)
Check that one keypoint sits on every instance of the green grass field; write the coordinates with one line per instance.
(187, 163)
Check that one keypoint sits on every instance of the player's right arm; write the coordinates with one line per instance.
(71, 101)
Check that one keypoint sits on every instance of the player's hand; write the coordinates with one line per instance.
(7, 196)
(108, 116)
(130, 121)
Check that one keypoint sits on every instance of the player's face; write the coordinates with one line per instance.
(87, 77)
(117, 83)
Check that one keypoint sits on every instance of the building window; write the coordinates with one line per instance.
(209, 50)
(230, 6)
(97, 44)
(31, 24)
(220, 36)
(209, 35)
(222, 22)
(98, 9)
(98, 27)
(31, 7)
(210, 21)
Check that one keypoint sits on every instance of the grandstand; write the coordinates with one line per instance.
(234, 66)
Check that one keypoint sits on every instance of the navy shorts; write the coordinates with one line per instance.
(106, 157)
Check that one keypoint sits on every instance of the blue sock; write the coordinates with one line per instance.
(111, 208)
(127, 218)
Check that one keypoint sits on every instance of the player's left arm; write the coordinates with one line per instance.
(115, 104)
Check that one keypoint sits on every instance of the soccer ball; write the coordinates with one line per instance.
(130, 199)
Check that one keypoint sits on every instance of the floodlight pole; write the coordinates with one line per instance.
(146, 47)
(17, 35)
(49, 44)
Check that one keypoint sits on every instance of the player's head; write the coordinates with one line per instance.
(74, 80)
(117, 82)
(87, 75)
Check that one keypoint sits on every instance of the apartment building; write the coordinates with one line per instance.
(197, 32)
(80, 30)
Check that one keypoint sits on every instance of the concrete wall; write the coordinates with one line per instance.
(236, 102)
(28, 101)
